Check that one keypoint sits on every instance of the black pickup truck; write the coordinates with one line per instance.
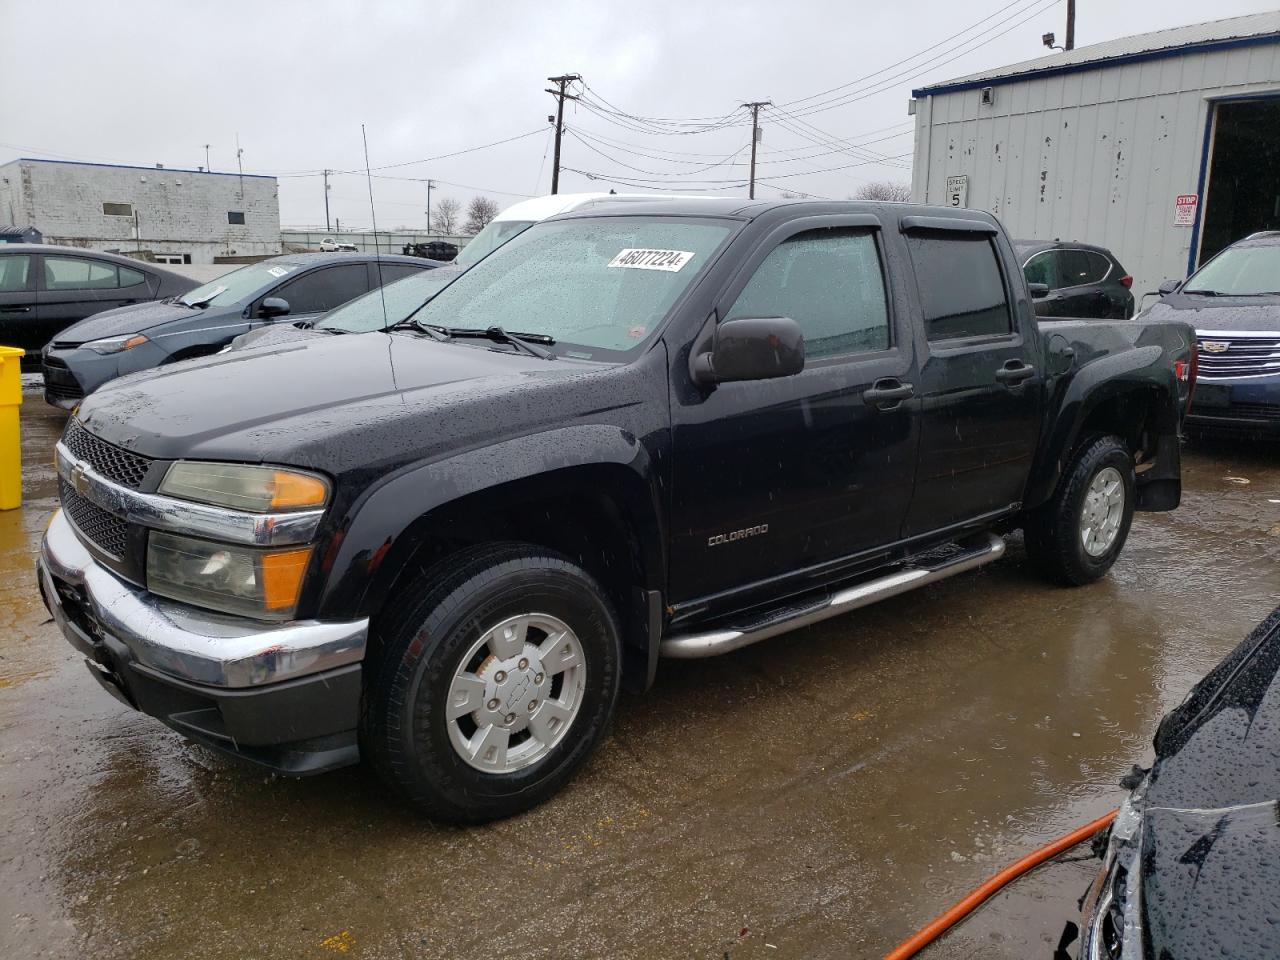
(667, 429)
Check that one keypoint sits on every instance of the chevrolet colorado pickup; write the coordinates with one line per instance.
(634, 431)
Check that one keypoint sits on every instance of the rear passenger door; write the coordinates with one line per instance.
(318, 291)
(71, 288)
(1083, 293)
(979, 386)
(810, 466)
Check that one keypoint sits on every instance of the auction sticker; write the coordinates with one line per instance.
(277, 271)
(669, 260)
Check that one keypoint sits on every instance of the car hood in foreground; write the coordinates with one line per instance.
(1210, 835)
(339, 402)
(1219, 313)
(135, 318)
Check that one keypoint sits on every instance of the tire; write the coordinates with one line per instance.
(1055, 532)
(466, 755)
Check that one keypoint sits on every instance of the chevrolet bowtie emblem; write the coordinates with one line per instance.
(79, 478)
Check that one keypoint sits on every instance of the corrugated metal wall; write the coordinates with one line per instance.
(1099, 155)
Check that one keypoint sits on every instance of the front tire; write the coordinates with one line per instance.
(1076, 537)
(497, 677)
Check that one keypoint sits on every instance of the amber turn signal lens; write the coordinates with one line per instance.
(297, 490)
(282, 573)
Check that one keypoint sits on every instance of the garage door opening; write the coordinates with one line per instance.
(1243, 195)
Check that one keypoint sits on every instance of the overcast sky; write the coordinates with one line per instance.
(145, 83)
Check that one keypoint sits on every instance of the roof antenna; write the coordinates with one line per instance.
(377, 252)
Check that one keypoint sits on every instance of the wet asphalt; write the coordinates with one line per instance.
(822, 794)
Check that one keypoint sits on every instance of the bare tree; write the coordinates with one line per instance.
(884, 190)
(446, 215)
(479, 212)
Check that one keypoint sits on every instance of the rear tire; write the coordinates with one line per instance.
(498, 674)
(1076, 537)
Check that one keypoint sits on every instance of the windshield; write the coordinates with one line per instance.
(490, 239)
(1239, 272)
(602, 285)
(401, 298)
(239, 284)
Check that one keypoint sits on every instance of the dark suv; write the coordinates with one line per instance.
(1233, 301)
(1083, 280)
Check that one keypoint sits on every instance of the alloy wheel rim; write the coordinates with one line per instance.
(1102, 512)
(516, 693)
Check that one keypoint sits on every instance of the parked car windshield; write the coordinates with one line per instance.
(490, 239)
(1246, 271)
(381, 308)
(601, 284)
(238, 284)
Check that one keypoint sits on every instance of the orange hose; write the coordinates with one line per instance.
(918, 941)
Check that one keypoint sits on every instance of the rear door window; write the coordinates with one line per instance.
(829, 282)
(391, 272)
(73, 273)
(324, 289)
(962, 289)
(15, 273)
(1043, 268)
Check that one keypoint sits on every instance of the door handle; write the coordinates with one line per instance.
(887, 393)
(15, 309)
(1014, 372)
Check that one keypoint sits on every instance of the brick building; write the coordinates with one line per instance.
(169, 215)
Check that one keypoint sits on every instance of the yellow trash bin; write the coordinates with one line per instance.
(10, 435)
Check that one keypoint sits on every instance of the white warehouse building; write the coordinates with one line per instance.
(169, 215)
(1163, 147)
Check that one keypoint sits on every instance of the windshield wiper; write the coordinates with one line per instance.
(436, 333)
(1205, 293)
(521, 341)
(203, 301)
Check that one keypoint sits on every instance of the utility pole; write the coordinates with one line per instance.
(561, 95)
(206, 158)
(430, 184)
(326, 200)
(754, 106)
(1071, 26)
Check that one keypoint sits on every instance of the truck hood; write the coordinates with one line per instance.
(134, 318)
(335, 403)
(1219, 313)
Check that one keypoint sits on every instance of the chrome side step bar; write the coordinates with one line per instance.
(691, 646)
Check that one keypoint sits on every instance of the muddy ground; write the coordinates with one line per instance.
(820, 795)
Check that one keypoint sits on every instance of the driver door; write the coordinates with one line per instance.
(774, 476)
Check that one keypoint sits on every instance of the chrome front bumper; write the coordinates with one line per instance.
(176, 640)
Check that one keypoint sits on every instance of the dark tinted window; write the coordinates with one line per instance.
(235, 216)
(325, 289)
(830, 283)
(1081, 267)
(961, 287)
(14, 271)
(391, 272)
(72, 273)
(1043, 268)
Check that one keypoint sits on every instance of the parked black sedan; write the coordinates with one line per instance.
(296, 287)
(46, 288)
(1193, 861)
(1083, 280)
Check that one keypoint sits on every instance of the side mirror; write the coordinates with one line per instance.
(1038, 290)
(1168, 287)
(273, 307)
(751, 348)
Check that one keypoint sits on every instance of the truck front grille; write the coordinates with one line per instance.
(1233, 356)
(109, 533)
(117, 465)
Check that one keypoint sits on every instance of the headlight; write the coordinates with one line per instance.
(116, 344)
(262, 584)
(244, 487)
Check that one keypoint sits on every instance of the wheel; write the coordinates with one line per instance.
(1077, 535)
(497, 676)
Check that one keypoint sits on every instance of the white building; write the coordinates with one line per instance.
(176, 216)
(1163, 147)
